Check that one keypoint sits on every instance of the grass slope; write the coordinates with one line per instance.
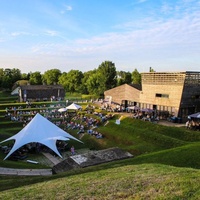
(161, 167)
(146, 181)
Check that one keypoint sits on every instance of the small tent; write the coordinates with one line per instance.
(74, 106)
(195, 115)
(62, 110)
(39, 130)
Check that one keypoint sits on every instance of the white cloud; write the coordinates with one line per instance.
(51, 33)
(141, 1)
(166, 8)
(14, 34)
(151, 40)
(66, 9)
(158, 36)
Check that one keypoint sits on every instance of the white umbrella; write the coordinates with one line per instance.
(62, 110)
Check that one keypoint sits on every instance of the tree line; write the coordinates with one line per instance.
(93, 82)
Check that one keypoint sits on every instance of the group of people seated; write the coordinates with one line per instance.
(146, 116)
(62, 146)
(22, 152)
(95, 133)
(84, 123)
(113, 107)
(87, 128)
(193, 125)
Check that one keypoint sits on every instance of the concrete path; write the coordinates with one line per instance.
(52, 158)
(25, 172)
(32, 172)
(167, 123)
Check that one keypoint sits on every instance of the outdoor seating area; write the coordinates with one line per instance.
(193, 125)
(193, 122)
(67, 120)
(50, 112)
(84, 124)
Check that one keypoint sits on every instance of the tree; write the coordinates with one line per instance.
(10, 76)
(123, 77)
(26, 76)
(93, 85)
(136, 77)
(63, 80)
(86, 76)
(51, 76)
(1, 76)
(16, 75)
(35, 78)
(151, 69)
(71, 81)
(106, 76)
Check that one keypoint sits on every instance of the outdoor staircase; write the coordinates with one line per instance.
(55, 160)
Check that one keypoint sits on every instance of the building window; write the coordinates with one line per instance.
(162, 95)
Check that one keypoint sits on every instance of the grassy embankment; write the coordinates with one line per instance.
(165, 166)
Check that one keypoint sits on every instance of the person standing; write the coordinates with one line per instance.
(72, 150)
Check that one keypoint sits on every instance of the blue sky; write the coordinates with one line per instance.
(38, 35)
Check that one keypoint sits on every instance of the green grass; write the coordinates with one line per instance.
(165, 165)
(146, 181)
(141, 137)
(184, 156)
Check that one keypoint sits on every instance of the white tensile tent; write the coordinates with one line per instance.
(74, 106)
(39, 130)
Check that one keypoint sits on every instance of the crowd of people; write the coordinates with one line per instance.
(193, 124)
(25, 116)
(73, 120)
(84, 124)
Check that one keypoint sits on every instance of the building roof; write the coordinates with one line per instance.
(40, 87)
(136, 86)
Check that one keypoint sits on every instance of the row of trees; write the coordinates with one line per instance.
(93, 82)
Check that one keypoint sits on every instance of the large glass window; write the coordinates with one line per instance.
(162, 95)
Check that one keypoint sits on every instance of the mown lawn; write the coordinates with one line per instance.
(165, 165)
(144, 181)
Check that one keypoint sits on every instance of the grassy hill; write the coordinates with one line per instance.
(165, 165)
(144, 181)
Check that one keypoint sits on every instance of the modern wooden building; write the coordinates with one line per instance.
(40, 92)
(125, 95)
(177, 93)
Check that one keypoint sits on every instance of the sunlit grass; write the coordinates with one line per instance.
(145, 181)
(165, 165)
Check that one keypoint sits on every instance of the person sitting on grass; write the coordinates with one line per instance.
(99, 136)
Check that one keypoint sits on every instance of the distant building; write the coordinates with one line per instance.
(125, 95)
(177, 93)
(40, 92)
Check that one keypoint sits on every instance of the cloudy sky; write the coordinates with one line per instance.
(38, 35)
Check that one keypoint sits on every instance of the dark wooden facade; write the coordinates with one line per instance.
(41, 92)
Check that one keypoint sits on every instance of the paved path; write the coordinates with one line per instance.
(53, 159)
(167, 123)
(31, 172)
(25, 172)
